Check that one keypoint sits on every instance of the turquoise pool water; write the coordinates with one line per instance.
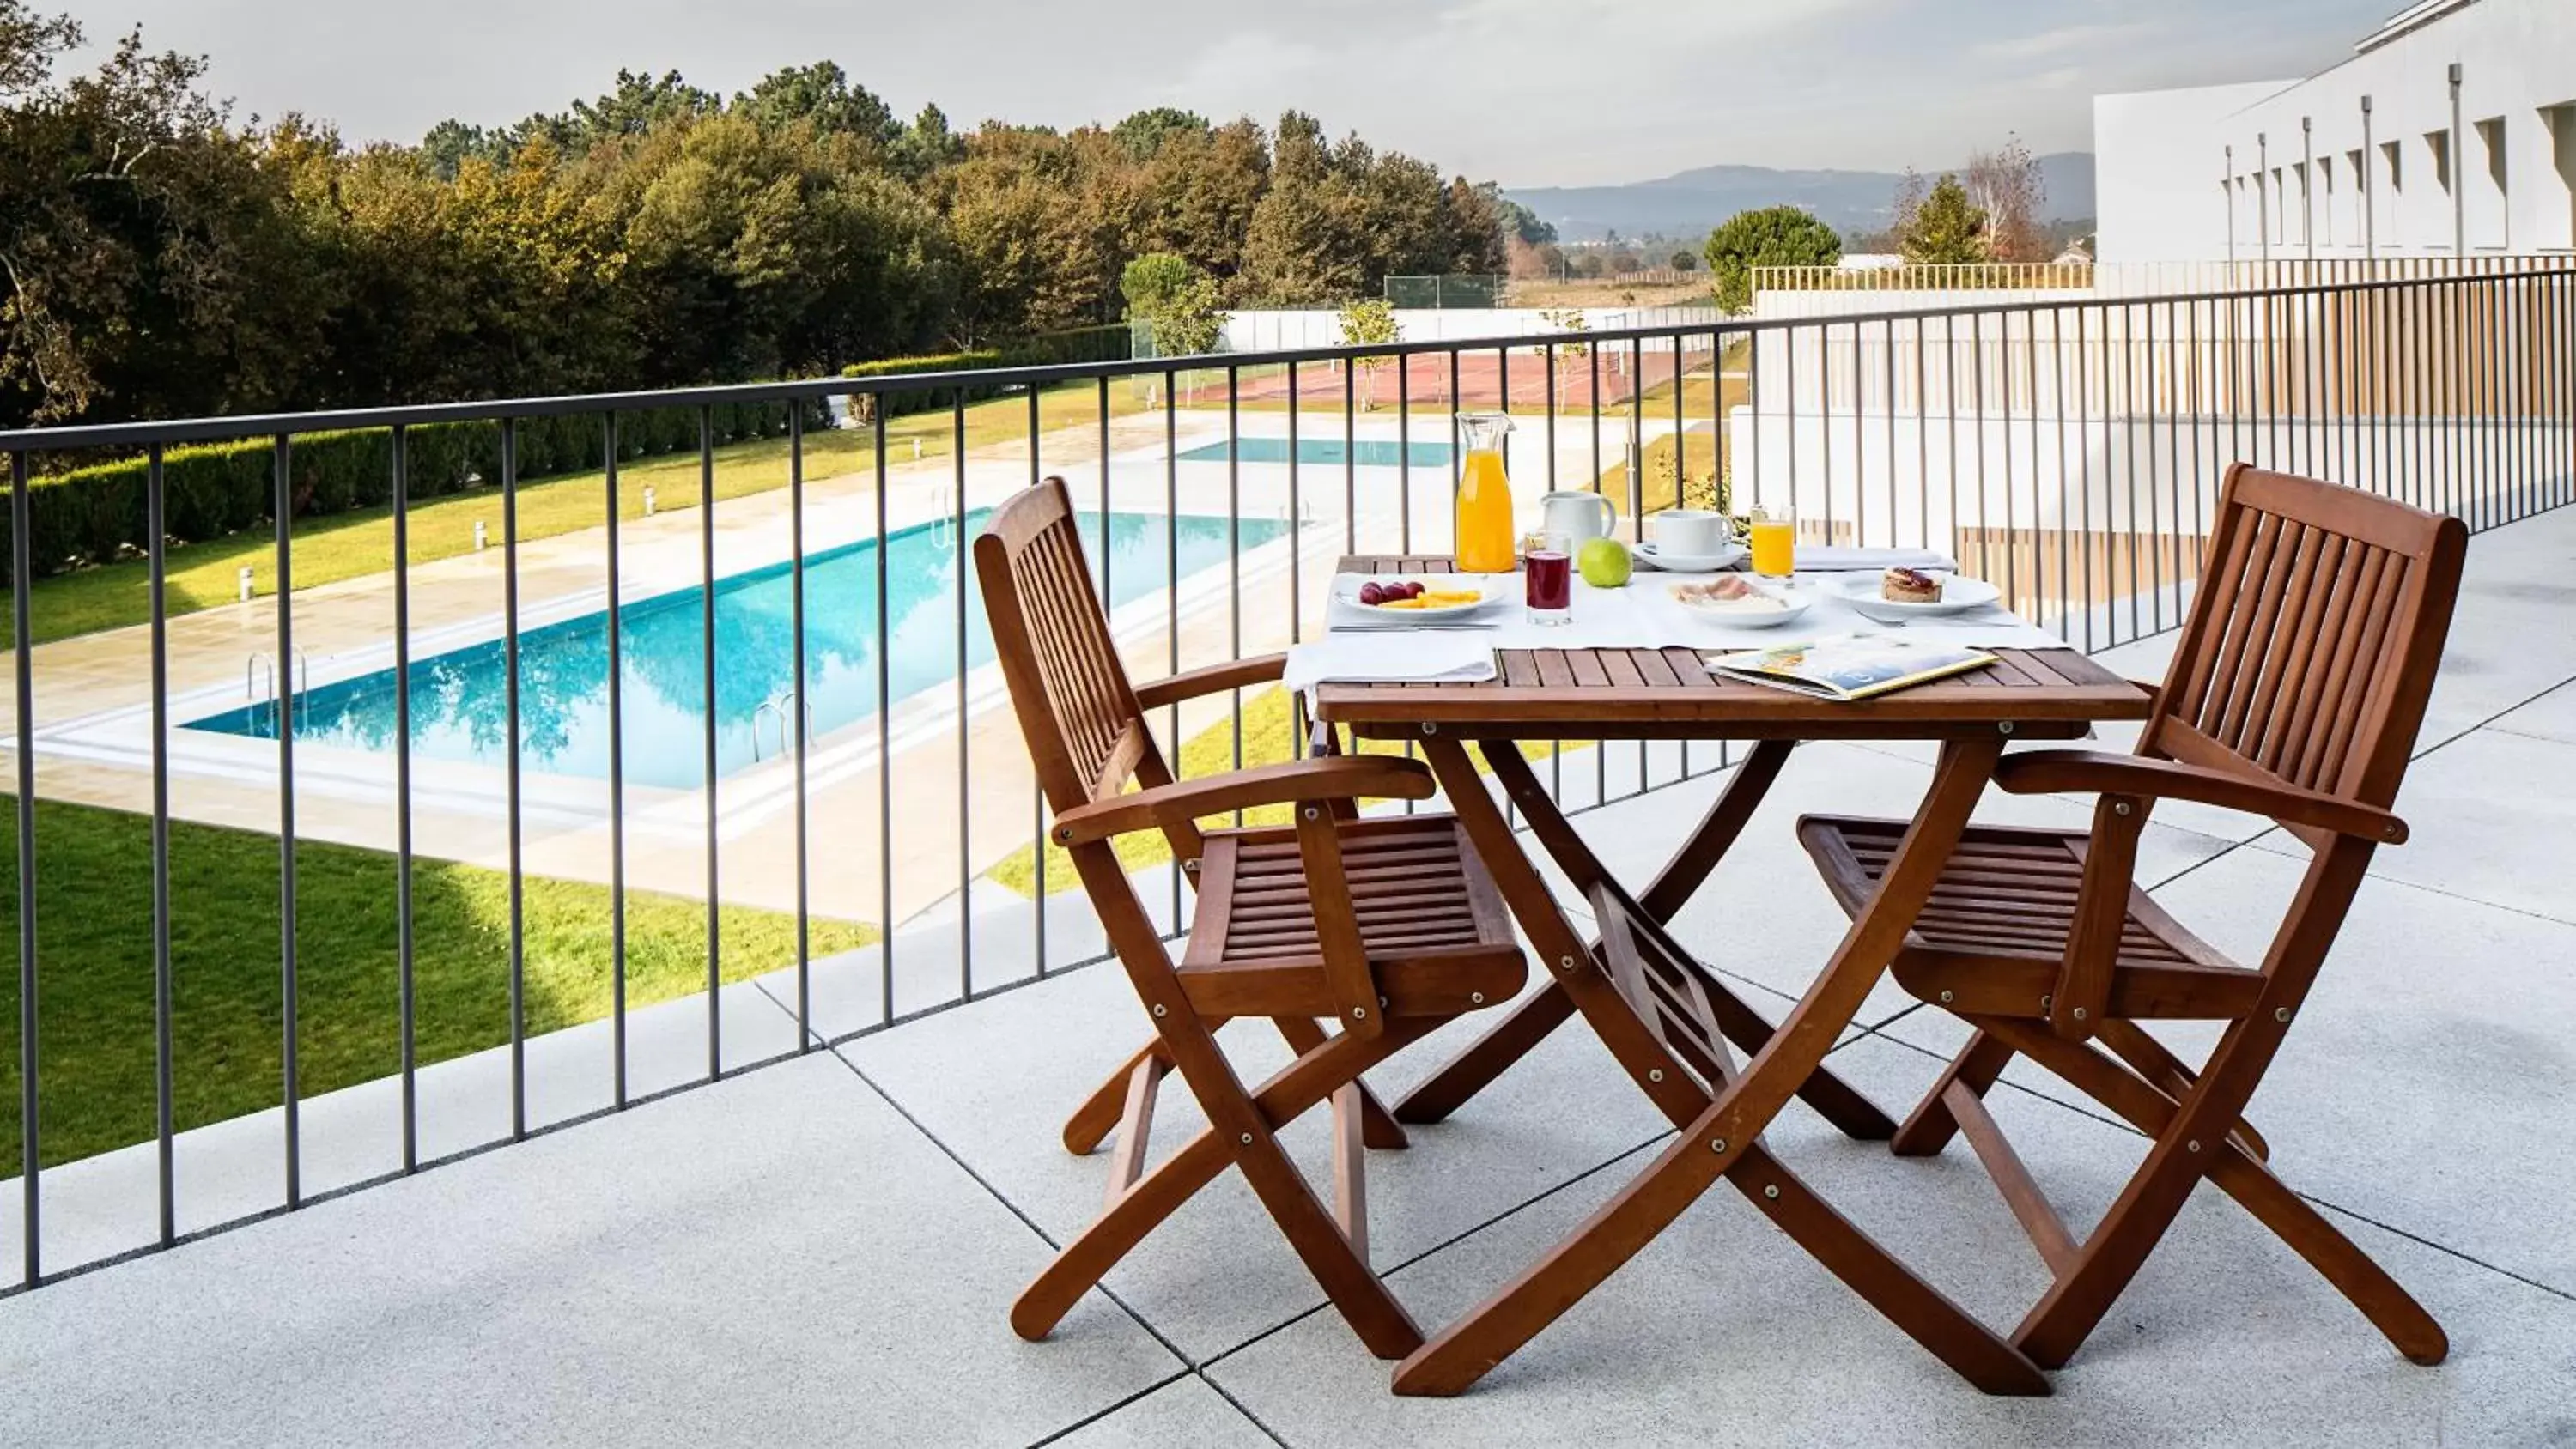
(1312, 452)
(459, 705)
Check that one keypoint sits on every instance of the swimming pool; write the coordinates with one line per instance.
(459, 707)
(1367, 452)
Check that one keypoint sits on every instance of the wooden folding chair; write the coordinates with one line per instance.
(1390, 927)
(2296, 693)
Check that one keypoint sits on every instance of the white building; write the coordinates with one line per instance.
(2451, 131)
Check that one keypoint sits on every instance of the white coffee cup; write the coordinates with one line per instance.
(1688, 532)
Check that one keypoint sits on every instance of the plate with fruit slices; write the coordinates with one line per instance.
(1415, 597)
(1896, 595)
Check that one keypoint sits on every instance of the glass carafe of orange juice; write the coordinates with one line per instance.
(1485, 531)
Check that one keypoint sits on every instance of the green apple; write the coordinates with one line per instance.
(1605, 563)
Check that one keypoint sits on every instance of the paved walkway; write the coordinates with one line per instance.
(824, 1250)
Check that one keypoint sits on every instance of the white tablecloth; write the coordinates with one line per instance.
(1359, 647)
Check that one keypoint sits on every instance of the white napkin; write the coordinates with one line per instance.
(1824, 559)
(1400, 657)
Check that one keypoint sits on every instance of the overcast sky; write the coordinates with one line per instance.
(1527, 92)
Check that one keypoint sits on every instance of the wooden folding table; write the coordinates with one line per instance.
(1666, 1018)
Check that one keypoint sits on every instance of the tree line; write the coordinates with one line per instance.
(159, 258)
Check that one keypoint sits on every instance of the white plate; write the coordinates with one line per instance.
(1959, 594)
(1690, 563)
(1346, 589)
(1736, 616)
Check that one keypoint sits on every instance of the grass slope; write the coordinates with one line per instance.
(95, 970)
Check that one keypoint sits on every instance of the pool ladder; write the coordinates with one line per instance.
(263, 664)
(782, 704)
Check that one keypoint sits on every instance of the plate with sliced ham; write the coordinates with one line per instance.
(1739, 602)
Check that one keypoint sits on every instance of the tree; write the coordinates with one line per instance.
(1370, 322)
(1569, 355)
(1518, 221)
(1776, 236)
(1684, 261)
(1940, 227)
(1144, 134)
(1190, 322)
(823, 96)
(1150, 282)
(2008, 187)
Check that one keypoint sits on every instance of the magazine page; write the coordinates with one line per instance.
(1851, 666)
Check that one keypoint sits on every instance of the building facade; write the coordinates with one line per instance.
(2451, 131)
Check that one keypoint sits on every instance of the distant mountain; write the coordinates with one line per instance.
(1694, 201)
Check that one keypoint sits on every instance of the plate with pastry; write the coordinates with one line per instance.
(1896, 595)
(1739, 602)
(1416, 597)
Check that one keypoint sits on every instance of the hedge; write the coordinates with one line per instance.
(94, 514)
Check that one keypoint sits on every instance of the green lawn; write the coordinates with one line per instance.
(1268, 732)
(95, 986)
(356, 544)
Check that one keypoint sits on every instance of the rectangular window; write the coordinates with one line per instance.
(2280, 205)
(2298, 232)
(2392, 205)
(2356, 165)
(2561, 121)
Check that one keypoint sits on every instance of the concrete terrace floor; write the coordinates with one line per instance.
(823, 1251)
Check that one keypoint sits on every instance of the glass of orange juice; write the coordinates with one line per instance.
(1774, 539)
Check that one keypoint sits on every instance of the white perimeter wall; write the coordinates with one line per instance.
(1294, 330)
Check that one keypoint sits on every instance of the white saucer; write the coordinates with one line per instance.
(1680, 563)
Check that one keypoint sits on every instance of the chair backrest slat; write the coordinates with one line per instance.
(2310, 649)
(1067, 685)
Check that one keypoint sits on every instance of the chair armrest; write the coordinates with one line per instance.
(1342, 777)
(1234, 674)
(2050, 772)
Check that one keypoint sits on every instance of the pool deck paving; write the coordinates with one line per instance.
(825, 1249)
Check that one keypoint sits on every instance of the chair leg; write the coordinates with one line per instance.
(2234, 1171)
(1932, 1125)
(1378, 1130)
(1373, 1312)
(2149, 1058)
(1093, 1121)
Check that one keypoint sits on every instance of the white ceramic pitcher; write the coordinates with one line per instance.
(1570, 519)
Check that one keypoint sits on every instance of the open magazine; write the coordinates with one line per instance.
(1849, 667)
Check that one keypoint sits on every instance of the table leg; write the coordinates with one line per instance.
(1839, 1102)
(1548, 1008)
(1720, 1140)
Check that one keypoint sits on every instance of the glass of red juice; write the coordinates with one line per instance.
(1551, 586)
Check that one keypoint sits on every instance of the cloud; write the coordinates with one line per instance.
(2066, 40)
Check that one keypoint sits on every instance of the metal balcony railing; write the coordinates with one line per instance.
(570, 728)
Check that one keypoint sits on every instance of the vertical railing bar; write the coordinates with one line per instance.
(1296, 551)
(1636, 477)
(1234, 550)
(1977, 359)
(965, 813)
(2057, 406)
(1503, 374)
(1404, 464)
(1950, 401)
(707, 684)
(156, 526)
(1860, 435)
(22, 571)
(800, 708)
(1037, 793)
(2084, 463)
(885, 739)
(1350, 460)
(406, 993)
(616, 781)
(1600, 748)
(2129, 329)
(1172, 583)
(1555, 748)
(510, 775)
(2155, 522)
(1108, 588)
(283, 506)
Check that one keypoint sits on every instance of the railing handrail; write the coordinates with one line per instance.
(182, 432)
